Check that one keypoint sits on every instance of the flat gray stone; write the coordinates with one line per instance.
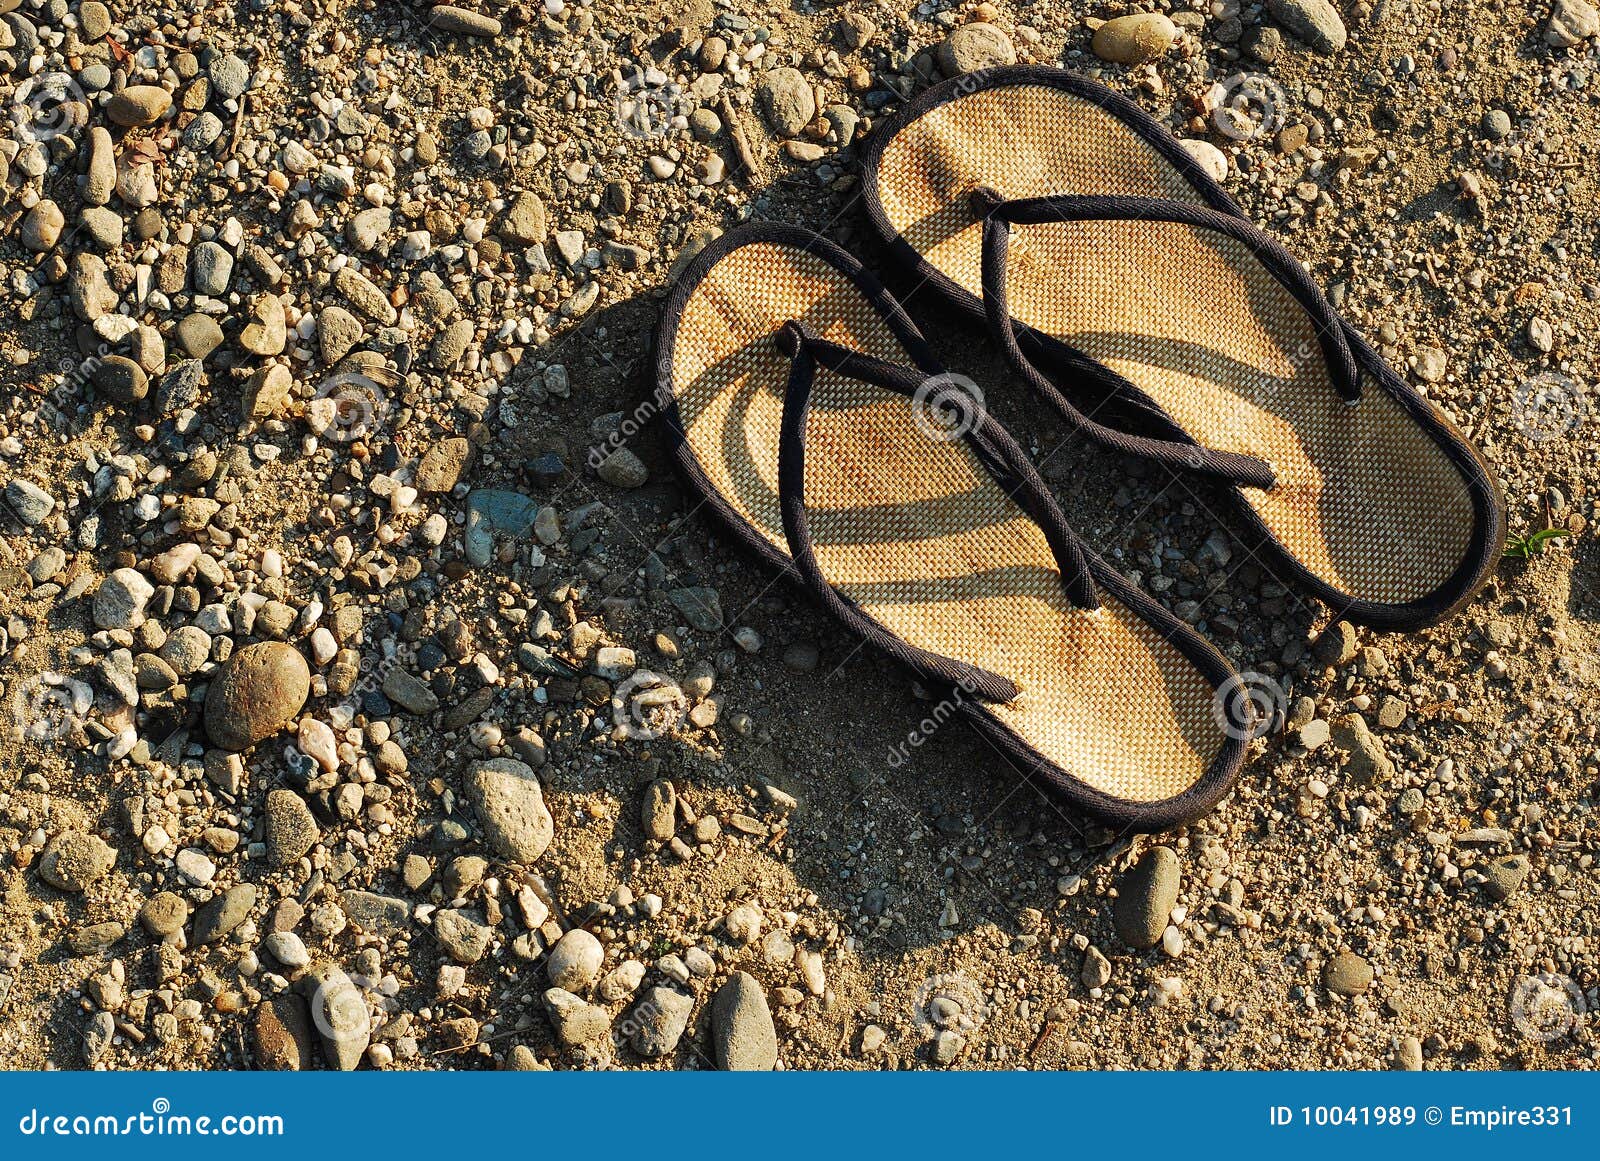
(339, 1015)
(741, 1026)
(1316, 22)
(409, 692)
(658, 1021)
(375, 914)
(464, 936)
(223, 914)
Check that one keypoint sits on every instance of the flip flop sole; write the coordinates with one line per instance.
(1382, 507)
(1117, 706)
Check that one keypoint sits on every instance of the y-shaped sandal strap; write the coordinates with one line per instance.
(1005, 461)
(999, 215)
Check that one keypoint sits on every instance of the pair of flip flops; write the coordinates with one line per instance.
(1127, 289)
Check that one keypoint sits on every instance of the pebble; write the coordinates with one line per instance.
(210, 269)
(451, 344)
(1146, 896)
(463, 936)
(164, 914)
(743, 924)
(1348, 974)
(1316, 22)
(1431, 364)
(74, 861)
(658, 811)
(443, 465)
(282, 1034)
(510, 806)
(87, 286)
(575, 961)
(525, 222)
(1504, 877)
(338, 333)
(1408, 1055)
(138, 105)
(102, 227)
(366, 298)
(1315, 733)
(1096, 970)
(1336, 645)
(94, 20)
(223, 915)
(462, 22)
(1211, 159)
(1135, 39)
(623, 469)
(947, 1045)
(257, 692)
(1496, 124)
(101, 171)
(199, 335)
(97, 1036)
(41, 226)
(1368, 761)
(973, 47)
(291, 828)
(266, 333)
(339, 1015)
(1571, 23)
(409, 692)
(180, 387)
(576, 1022)
(288, 949)
(700, 606)
(374, 913)
(31, 503)
(120, 601)
(658, 1021)
(229, 77)
(786, 101)
(741, 1026)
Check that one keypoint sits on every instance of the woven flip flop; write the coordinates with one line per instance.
(809, 412)
(1127, 288)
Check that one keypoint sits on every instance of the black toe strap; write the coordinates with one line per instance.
(1005, 461)
(999, 215)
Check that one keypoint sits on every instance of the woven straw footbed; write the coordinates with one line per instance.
(1365, 500)
(916, 531)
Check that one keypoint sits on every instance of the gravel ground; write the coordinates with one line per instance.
(376, 697)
